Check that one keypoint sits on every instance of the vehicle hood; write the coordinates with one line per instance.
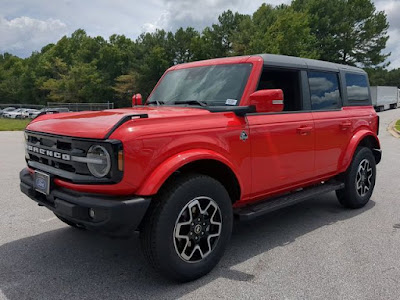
(98, 124)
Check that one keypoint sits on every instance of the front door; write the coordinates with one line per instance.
(282, 143)
(282, 151)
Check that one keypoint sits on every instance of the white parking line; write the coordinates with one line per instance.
(48, 220)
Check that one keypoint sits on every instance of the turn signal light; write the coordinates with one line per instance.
(120, 160)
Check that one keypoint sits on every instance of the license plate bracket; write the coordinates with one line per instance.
(42, 182)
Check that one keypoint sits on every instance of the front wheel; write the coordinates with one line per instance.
(359, 180)
(188, 227)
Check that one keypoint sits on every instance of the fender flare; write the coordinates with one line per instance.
(351, 148)
(162, 172)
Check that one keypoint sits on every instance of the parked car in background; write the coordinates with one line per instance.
(48, 110)
(7, 109)
(14, 114)
(27, 112)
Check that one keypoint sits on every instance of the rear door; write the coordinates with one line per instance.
(332, 124)
(282, 143)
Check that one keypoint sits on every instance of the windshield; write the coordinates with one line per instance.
(210, 85)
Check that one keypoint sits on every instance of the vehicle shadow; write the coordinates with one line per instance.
(71, 264)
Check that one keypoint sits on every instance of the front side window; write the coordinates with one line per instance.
(324, 90)
(357, 87)
(209, 85)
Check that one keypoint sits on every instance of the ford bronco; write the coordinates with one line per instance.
(216, 140)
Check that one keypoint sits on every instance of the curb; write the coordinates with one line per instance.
(392, 129)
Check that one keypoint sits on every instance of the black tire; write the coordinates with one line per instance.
(70, 223)
(158, 231)
(355, 195)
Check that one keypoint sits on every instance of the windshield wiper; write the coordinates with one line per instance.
(157, 102)
(201, 103)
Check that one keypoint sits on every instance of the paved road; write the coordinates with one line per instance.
(314, 250)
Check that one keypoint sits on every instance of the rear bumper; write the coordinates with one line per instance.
(112, 216)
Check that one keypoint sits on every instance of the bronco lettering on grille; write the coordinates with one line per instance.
(49, 153)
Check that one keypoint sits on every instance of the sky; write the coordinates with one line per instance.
(28, 25)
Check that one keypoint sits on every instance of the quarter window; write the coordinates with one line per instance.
(357, 87)
(324, 90)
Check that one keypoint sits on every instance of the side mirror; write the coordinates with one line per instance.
(136, 99)
(267, 100)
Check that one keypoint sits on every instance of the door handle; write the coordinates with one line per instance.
(345, 125)
(304, 130)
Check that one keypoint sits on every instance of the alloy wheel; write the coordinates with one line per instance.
(197, 229)
(364, 177)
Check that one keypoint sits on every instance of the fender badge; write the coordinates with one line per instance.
(243, 136)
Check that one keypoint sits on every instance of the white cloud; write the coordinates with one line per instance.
(393, 46)
(357, 92)
(23, 35)
(199, 14)
(29, 25)
(319, 84)
(392, 10)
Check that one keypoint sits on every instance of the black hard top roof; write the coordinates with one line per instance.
(273, 60)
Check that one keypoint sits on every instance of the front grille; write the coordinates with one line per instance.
(59, 156)
(44, 148)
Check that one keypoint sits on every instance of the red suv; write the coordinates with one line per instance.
(216, 140)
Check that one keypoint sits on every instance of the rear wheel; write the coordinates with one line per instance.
(188, 227)
(359, 180)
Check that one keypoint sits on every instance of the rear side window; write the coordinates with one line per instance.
(357, 87)
(324, 90)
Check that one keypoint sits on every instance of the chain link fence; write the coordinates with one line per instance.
(81, 106)
(70, 106)
(33, 106)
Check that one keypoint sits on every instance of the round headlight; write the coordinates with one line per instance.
(99, 161)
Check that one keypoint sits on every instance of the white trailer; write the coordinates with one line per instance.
(384, 97)
(398, 98)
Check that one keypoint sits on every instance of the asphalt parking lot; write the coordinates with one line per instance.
(313, 250)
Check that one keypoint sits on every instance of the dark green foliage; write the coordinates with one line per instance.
(81, 68)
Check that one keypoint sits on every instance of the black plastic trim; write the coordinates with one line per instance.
(260, 208)
(75, 178)
(122, 121)
(115, 216)
(82, 175)
(237, 110)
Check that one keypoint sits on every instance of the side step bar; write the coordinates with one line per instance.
(253, 211)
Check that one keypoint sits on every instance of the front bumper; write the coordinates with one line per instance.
(113, 216)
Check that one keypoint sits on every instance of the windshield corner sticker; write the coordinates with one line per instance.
(230, 101)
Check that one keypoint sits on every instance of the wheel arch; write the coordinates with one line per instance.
(363, 138)
(205, 162)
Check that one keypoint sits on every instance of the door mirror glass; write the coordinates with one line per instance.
(267, 100)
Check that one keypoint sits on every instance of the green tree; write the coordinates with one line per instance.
(347, 31)
(82, 83)
(124, 88)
